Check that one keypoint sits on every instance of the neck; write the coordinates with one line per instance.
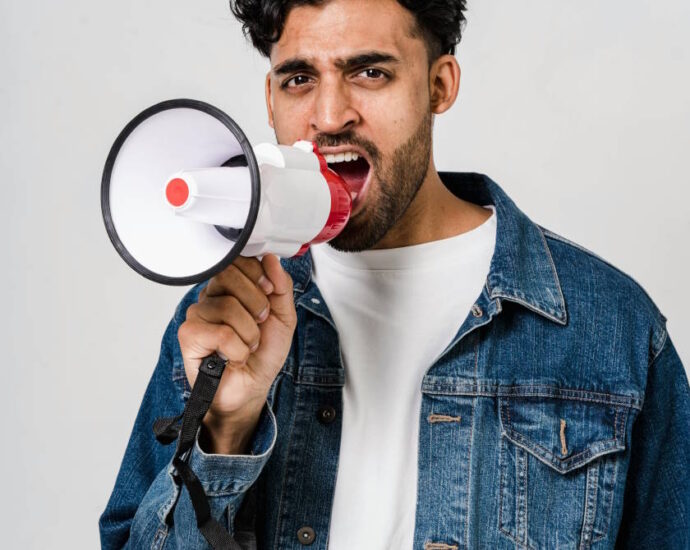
(434, 214)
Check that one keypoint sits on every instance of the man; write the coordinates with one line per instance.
(445, 374)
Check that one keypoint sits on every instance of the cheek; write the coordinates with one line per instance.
(290, 121)
(392, 118)
(389, 130)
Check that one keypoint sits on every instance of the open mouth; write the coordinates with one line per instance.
(353, 168)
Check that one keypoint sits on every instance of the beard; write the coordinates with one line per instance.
(393, 186)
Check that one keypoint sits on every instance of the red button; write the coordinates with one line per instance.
(177, 192)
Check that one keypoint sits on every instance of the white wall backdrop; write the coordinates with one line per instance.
(578, 109)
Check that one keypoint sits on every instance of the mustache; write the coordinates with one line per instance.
(348, 138)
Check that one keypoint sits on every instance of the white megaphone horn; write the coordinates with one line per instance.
(184, 193)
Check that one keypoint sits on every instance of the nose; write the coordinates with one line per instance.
(333, 111)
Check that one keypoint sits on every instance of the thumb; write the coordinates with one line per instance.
(282, 301)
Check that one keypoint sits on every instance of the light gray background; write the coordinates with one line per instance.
(578, 109)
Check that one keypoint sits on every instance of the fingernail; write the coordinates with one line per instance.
(265, 284)
(254, 347)
(263, 315)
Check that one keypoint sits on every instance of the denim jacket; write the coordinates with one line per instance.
(568, 419)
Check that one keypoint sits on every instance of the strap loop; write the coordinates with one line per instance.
(169, 429)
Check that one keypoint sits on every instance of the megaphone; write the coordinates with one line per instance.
(184, 193)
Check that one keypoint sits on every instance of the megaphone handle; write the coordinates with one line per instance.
(200, 399)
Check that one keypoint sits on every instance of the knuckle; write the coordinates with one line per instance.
(246, 262)
(232, 304)
(192, 311)
(181, 332)
(184, 333)
(291, 317)
(255, 335)
(213, 284)
(230, 273)
(236, 353)
(292, 322)
(226, 335)
(219, 282)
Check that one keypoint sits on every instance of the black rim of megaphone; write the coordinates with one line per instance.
(253, 205)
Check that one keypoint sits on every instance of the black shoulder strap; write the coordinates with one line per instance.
(168, 429)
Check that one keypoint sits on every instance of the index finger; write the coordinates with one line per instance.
(254, 271)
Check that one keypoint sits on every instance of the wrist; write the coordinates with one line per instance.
(231, 433)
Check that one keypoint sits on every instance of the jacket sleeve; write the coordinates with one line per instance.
(656, 509)
(138, 512)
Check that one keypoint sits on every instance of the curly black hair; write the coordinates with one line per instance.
(439, 22)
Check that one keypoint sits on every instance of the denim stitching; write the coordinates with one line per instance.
(615, 425)
(531, 307)
(563, 392)
(555, 275)
(469, 476)
(285, 468)
(521, 483)
(159, 538)
(592, 485)
(661, 347)
(507, 409)
(476, 356)
(318, 382)
(523, 390)
(502, 467)
(166, 508)
(495, 390)
(518, 543)
(524, 545)
(570, 463)
(608, 503)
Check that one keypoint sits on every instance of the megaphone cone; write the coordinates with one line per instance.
(184, 193)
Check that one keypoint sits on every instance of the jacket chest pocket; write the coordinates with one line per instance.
(559, 459)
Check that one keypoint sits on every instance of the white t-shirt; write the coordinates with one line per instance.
(396, 310)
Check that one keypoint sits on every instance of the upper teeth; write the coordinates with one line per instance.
(341, 157)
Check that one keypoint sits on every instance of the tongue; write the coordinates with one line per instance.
(354, 173)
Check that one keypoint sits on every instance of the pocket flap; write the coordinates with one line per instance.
(563, 433)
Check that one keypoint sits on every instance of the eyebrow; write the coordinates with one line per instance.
(298, 64)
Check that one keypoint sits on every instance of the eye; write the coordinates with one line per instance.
(372, 74)
(296, 81)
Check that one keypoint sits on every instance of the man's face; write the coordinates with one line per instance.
(351, 76)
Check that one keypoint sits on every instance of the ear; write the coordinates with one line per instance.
(269, 103)
(444, 83)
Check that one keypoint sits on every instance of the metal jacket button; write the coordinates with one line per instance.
(326, 414)
(306, 535)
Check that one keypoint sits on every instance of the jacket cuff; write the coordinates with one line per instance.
(228, 474)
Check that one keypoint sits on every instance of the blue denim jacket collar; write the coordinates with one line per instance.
(521, 271)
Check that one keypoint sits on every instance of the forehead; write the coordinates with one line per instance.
(337, 28)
